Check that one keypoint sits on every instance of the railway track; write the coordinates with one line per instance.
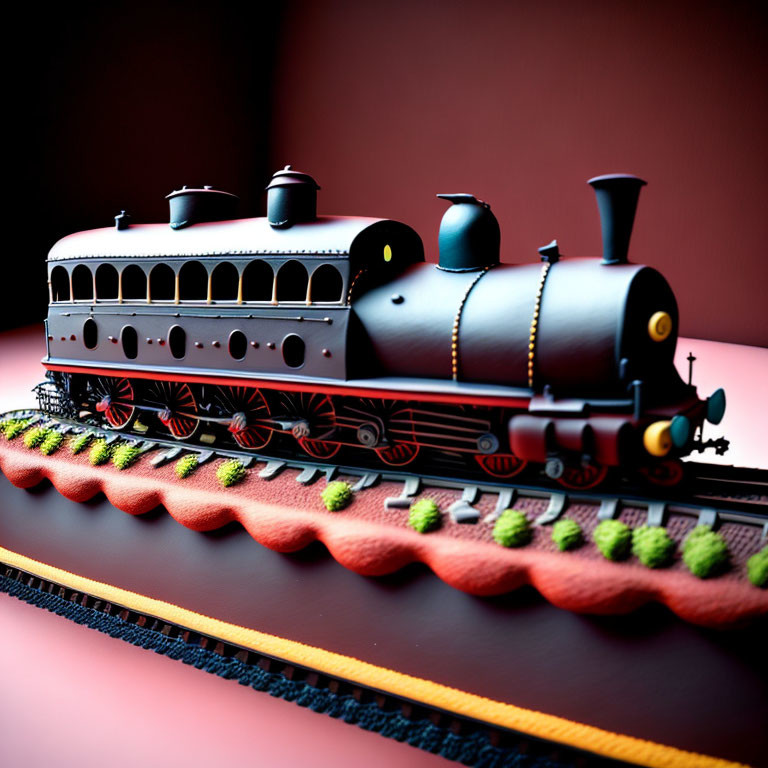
(712, 493)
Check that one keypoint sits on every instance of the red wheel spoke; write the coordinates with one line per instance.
(583, 477)
(319, 449)
(177, 399)
(252, 404)
(501, 464)
(115, 400)
(398, 455)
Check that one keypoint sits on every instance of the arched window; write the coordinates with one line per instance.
(292, 279)
(82, 283)
(224, 282)
(162, 283)
(193, 282)
(135, 283)
(106, 282)
(257, 281)
(327, 284)
(60, 284)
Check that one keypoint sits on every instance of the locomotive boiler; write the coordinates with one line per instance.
(331, 337)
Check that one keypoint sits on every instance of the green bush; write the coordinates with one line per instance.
(185, 466)
(336, 495)
(757, 568)
(125, 455)
(512, 529)
(12, 428)
(230, 472)
(705, 552)
(80, 443)
(613, 538)
(35, 436)
(652, 546)
(567, 534)
(100, 453)
(52, 442)
(424, 515)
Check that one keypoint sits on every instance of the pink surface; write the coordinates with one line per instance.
(71, 696)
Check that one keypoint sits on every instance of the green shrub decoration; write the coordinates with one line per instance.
(424, 515)
(185, 466)
(52, 442)
(613, 538)
(512, 529)
(125, 455)
(567, 534)
(652, 546)
(757, 568)
(230, 472)
(12, 428)
(80, 443)
(705, 552)
(336, 495)
(35, 436)
(100, 453)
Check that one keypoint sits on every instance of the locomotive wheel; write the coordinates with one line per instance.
(664, 473)
(501, 464)
(245, 406)
(319, 449)
(318, 415)
(178, 412)
(115, 398)
(398, 455)
(582, 476)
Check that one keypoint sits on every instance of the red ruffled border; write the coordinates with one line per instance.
(373, 548)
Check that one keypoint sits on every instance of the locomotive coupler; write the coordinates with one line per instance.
(720, 445)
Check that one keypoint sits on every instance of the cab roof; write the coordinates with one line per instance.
(330, 236)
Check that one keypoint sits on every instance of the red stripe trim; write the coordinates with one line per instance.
(297, 386)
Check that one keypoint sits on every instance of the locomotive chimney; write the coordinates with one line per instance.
(469, 236)
(291, 198)
(194, 206)
(617, 196)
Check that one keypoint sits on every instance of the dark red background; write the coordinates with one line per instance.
(388, 103)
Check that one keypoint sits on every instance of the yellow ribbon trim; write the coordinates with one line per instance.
(537, 724)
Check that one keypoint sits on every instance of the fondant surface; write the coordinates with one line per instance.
(515, 648)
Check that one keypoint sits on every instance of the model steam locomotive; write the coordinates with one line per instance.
(331, 337)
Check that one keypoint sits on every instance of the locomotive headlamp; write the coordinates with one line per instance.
(387, 253)
(657, 438)
(660, 326)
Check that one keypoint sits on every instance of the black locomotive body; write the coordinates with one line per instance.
(325, 334)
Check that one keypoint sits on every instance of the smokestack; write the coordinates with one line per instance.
(291, 198)
(617, 196)
(469, 235)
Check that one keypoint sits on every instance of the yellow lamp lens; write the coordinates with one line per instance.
(660, 326)
(657, 439)
(387, 253)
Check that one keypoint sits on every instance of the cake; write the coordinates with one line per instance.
(218, 513)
